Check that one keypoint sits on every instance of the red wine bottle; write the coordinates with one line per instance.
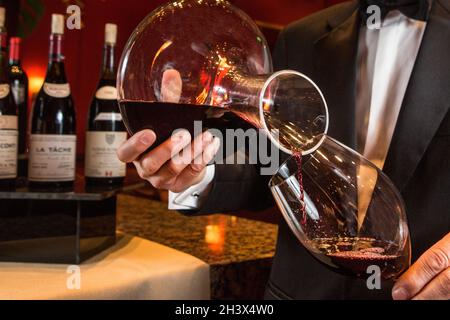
(9, 134)
(53, 125)
(19, 88)
(105, 129)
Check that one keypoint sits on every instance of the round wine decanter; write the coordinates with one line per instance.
(344, 210)
(202, 60)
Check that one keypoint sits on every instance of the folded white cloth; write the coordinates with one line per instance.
(134, 268)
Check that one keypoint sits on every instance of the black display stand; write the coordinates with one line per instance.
(58, 227)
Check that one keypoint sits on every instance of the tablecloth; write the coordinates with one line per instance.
(134, 268)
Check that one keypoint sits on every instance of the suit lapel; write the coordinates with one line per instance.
(335, 72)
(426, 101)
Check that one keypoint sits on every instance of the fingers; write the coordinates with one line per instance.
(176, 164)
(168, 173)
(437, 289)
(433, 262)
(171, 86)
(137, 144)
(151, 162)
(194, 173)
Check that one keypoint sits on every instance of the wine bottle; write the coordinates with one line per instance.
(53, 127)
(105, 129)
(19, 88)
(9, 134)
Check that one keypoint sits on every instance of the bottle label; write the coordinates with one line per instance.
(9, 122)
(57, 90)
(108, 116)
(101, 154)
(4, 90)
(18, 91)
(9, 138)
(106, 93)
(52, 157)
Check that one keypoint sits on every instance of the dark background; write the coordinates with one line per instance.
(83, 48)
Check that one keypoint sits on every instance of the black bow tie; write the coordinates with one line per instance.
(414, 9)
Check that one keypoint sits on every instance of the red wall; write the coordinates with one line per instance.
(83, 47)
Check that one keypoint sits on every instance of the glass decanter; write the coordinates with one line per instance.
(192, 60)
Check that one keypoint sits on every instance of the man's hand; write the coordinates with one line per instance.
(429, 277)
(176, 164)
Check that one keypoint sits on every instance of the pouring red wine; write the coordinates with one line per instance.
(350, 255)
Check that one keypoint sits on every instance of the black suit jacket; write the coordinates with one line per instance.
(324, 47)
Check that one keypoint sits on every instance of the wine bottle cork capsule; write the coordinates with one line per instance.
(111, 33)
(2, 17)
(57, 24)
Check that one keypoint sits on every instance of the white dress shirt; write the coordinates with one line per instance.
(386, 58)
(193, 197)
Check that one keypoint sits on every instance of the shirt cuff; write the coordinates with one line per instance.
(195, 196)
